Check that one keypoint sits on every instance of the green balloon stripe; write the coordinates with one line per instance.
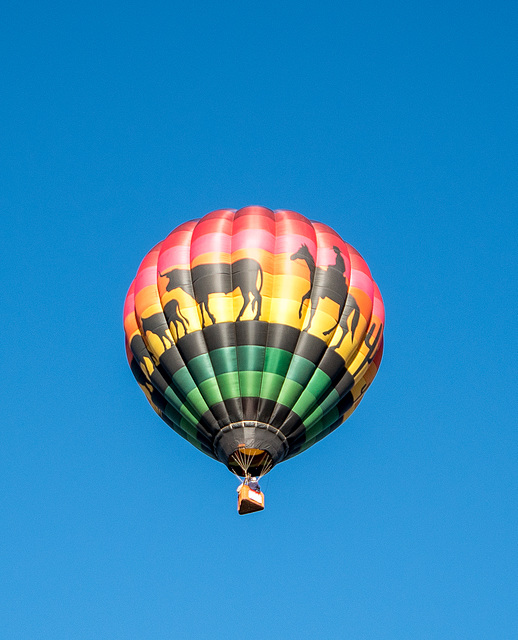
(229, 385)
(300, 369)
(210, 391)
(184, 425)
(251, 357)
(304, 403)
(271, 374)
(263, 378)
(174, 415)
(311, 397)
(181, 406)
(277, 360)
(195, 399)
(187, 434)
(324, 406)
(271, 385)
(201, 367)
(183, 380)
(250, 383)
(194, 402)
(316, 431)
(289, 393)
(224, 360)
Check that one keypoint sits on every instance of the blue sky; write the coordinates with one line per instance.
(394, 124)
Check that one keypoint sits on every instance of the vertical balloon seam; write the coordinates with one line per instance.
(327, 423)
(202, 336)
(355, 393)
(270, 277)
(245, 374)
(344, 316)
(334, 329)
(224, 406)
(354, 352)
(262, 390)
(173, 388)
(188, 361)
(376, 312)
(357, 377)
(176, 388)
(346, 311)
(234, 324)
(264, 379)
(155, 378)
(173, 351)
(351, 357)
(142, 377)
(137, 364)
(231, 366)
(295, 412)
(137, 354)
(202, 429)
(277, 406)
(296, 358)
(308, 310)
(177, 385)
(270, 402)
(160, 383)
(330, 387)
(310, 424)
(330, 406)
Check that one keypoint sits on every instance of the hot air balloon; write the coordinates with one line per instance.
(253, 334)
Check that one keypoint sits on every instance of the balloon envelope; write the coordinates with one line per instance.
(253, 333)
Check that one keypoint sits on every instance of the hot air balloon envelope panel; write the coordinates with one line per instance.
(254, 317)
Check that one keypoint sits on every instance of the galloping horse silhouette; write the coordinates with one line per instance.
(328, 283)
(205, 279)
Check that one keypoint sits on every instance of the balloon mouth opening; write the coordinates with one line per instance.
(250, 447)
(246, 461)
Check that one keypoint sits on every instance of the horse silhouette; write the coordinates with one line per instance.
(174, 315)
(328, 283)
(354, 311)
(157, 335)
(205, 279)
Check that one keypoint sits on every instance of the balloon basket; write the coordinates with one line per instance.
(249, 500)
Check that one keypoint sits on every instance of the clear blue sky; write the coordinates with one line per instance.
(396, 124)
